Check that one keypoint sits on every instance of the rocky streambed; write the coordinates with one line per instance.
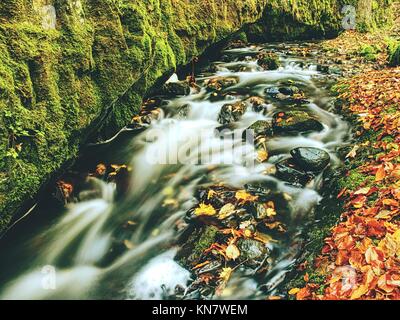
(205, 195)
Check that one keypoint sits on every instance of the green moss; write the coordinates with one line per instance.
(370, 53)
(303, 19)
(57, 86)
(206, 239)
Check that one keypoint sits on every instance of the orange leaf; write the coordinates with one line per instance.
(380, 174)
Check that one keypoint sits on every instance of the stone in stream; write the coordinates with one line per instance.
(258, 104)
(183, 111)
(286, 95)
(220, 83)
(268, 60)
(311, 159)
(232, 112)
(288, 171)
(295, 121)
(323, 68)
(289, 91)
(194, 242)
(252, 252)
(175, 89)
(272, 92)
(259, 128)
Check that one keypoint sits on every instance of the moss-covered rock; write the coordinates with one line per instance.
(68, 65)
(304, 19)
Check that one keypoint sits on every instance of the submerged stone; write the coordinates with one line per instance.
(311, 159)
(194, 243)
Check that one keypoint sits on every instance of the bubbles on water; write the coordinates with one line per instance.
(158, 278)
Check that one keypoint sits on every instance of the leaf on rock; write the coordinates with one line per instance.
(205, 210)
(232, 252)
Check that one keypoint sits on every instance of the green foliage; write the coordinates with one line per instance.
(370, 53)
(394, 59)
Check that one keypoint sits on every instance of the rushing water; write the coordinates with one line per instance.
(76, 246)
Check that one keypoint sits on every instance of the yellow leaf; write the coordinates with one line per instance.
(359, 292)
(205, 210)
(294, 291)
(232, 252)
(225, 274)
(211, 194)
(353, 152)
(129, 245)
(271, 212)
(362, 191)
(262, 155)
(242, 195)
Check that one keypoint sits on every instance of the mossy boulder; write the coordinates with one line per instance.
(295, 121)
(71, 68)
(268, 61)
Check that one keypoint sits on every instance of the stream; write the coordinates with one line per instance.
(127, 236)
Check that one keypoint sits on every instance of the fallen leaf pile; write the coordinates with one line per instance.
(361, 256)
(239, 215)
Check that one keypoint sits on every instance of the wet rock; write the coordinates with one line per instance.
(288, 171)
(122, 180)
(237, 44)
(232, 112)
(257, 129)
(183, 111)
(289, 91)
(272, 92)
(311, 159)
(175, 89)
(258, 104)
(295, 122)
(145, 118)
(220, 83)
(211, 267)
(195, 242)
(252, 251)
(267, 191)
(268, 60)
(323, 68)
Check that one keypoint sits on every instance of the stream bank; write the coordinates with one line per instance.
(359, 219)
